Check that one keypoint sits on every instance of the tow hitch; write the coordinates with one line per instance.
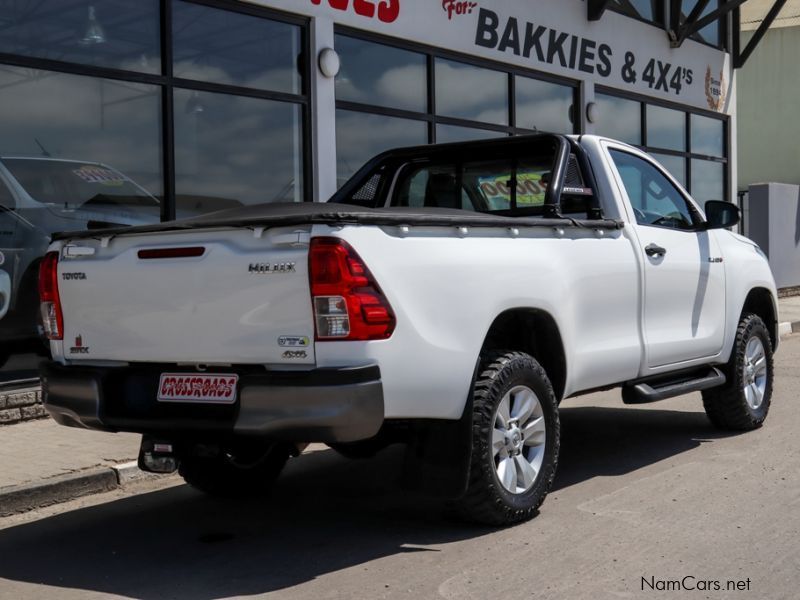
(157, 456)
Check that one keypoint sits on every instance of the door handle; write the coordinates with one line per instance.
(655, 250)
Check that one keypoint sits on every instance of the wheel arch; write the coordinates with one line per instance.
(535, 332)
(760, 301)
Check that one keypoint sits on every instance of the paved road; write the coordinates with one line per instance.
(649, 492)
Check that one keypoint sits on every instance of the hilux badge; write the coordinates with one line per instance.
(267, 268)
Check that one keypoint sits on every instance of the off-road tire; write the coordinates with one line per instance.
(486, 501)
(223, 476)
(726, 406)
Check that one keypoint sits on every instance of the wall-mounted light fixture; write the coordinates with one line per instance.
(591, 112)
(329, 63)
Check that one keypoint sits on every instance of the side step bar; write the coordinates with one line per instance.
(654, 390)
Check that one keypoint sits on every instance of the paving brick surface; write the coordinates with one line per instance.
(36, 450)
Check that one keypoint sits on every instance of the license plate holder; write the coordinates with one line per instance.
(198, 388)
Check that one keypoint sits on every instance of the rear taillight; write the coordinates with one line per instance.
(348, 304)
(48, 296)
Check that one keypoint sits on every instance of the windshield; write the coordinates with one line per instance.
(69, 186)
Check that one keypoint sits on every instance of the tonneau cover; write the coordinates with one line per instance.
(291, 213)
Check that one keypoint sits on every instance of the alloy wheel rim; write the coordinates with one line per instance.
(518, 439)
(754, 373)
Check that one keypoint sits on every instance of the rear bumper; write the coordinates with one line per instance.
(323, 405)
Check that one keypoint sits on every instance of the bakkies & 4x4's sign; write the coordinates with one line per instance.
(552, 36)
(570, 51)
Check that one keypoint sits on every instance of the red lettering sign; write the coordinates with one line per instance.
(387, 10)
(202, 388)
(458, 7)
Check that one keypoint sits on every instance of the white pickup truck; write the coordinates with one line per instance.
(448, 297)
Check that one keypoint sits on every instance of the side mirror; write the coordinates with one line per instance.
(721, 215)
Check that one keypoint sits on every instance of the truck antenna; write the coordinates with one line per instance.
(42, 148)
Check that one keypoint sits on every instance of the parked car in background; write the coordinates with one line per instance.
(5, 291)
(39, 196)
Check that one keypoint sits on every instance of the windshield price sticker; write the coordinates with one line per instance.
(496, 190)
(101, 175)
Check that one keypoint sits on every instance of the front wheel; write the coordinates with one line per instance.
(515, 443)
(743, 402)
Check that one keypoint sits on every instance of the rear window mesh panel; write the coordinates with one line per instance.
(573, 177)
(369, 191)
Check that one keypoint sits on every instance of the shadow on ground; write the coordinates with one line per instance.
(326, 514)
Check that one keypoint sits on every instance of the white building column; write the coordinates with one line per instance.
(323, 114)
(586, 94)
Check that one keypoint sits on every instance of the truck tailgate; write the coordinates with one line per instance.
(230, 296)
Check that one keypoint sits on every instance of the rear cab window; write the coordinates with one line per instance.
(507, 179)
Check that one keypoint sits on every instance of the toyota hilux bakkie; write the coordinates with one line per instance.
(447, 297)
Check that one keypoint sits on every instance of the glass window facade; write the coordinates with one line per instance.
(619, 118)
(388, 96)
(230, 48)
(692, 147)
(543, 105)
(666, 128)
(467, 92)
(116, 34)
(98, 129)
(455, 133)
(381, 75)
(220, 164)
(360, 136)
(708, 136)
(707, 180)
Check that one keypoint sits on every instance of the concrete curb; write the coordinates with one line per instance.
(30, 496)
(788, 327)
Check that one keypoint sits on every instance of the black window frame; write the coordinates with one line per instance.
(168, 83)
(430, 116)
(687, 155)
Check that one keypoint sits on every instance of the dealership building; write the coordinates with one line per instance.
(208, 104)
(173, 108)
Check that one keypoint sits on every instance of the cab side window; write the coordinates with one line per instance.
(655, 201)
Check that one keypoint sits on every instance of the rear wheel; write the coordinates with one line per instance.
(236, 472)
(515, 443)
(744, 401)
